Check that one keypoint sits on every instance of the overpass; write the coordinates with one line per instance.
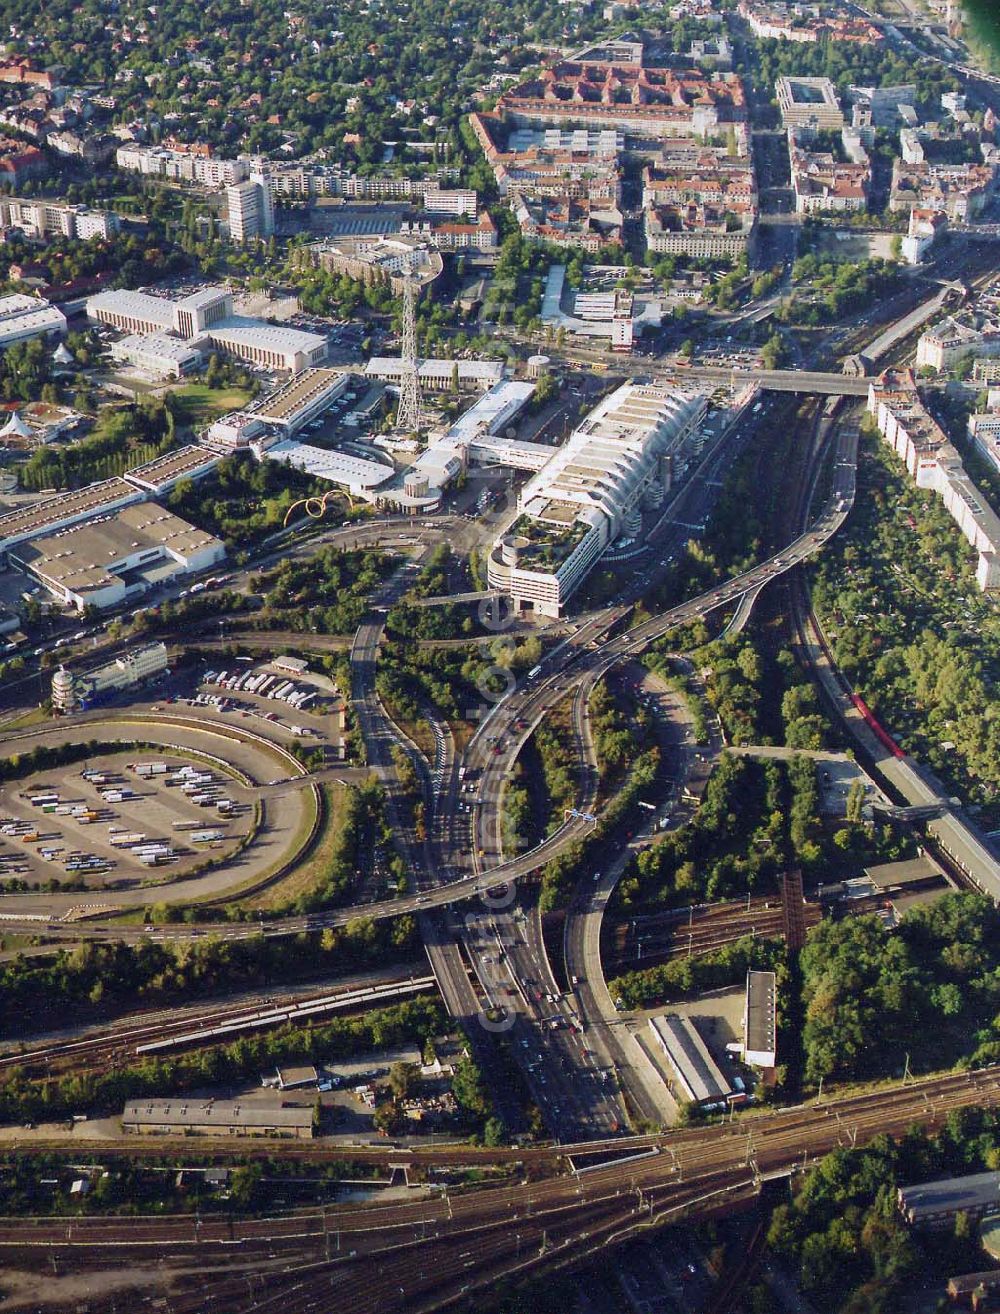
(811, 381)
(914, 812)
(902, 328)
(446, 599)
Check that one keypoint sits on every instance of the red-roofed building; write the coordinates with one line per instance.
(652, 101)
(21, 70)
(28, 163)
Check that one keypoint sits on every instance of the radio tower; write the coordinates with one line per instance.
(408, 415)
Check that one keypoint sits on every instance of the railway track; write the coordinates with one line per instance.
(419, 1255)
(214, 1026)
(687, 932)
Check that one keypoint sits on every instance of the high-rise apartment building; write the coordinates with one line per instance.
(250, 207)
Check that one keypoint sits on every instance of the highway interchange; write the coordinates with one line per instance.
(483, 933)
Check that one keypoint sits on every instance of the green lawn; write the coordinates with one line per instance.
(200, 405)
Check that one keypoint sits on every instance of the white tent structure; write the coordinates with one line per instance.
(15, 427)
(62, 355)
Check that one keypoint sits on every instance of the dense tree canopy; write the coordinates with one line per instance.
(930, 990)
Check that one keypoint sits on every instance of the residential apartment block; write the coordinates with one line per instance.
(709, 212)
(808, 103)
(933, 463)
(960, 191)
(182, 166)
(984, 430)
(556, 146)
(371, 258)
(250, 208)
(822, 180)
(647, 102)
(806, 23)
(949, 341)
(40, 218)
(564, 185)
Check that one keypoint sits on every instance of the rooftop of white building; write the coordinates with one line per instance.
(286, 403)
(84, 557)
(164, 471)
(38, 517)
(494, 408)
(487, 371)
(205, 296)
(338, 467)
(157, 344)
(270, 337)
(136, 305)
(19, 313)
(612, 449)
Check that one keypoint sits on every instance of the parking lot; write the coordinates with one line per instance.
(107, 825)
(306, 707)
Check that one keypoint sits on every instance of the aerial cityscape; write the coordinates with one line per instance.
(500, 657)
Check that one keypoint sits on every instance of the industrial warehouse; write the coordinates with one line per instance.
(697, 1075)
(759, 1021)
(215, 1118)
(203, 321)
(104, 562)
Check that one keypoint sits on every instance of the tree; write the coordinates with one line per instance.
(389, 1118)
(773, 352)
(403, 1077)
(244, 1185)
(494, 1132)
(854, 807)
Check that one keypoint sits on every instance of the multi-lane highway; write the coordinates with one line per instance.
(585, 657)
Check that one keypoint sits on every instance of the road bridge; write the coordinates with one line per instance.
(913, 812)
(566, 667)
(446, 599)
(804, 381)
(741, 616)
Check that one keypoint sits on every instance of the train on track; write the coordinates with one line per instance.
(302, 1011)
(875, 726)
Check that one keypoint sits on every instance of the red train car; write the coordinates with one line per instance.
(880, 733)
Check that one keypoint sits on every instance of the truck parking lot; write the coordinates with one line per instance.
(112, 822)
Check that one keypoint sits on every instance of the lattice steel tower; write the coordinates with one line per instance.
(408, 415)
